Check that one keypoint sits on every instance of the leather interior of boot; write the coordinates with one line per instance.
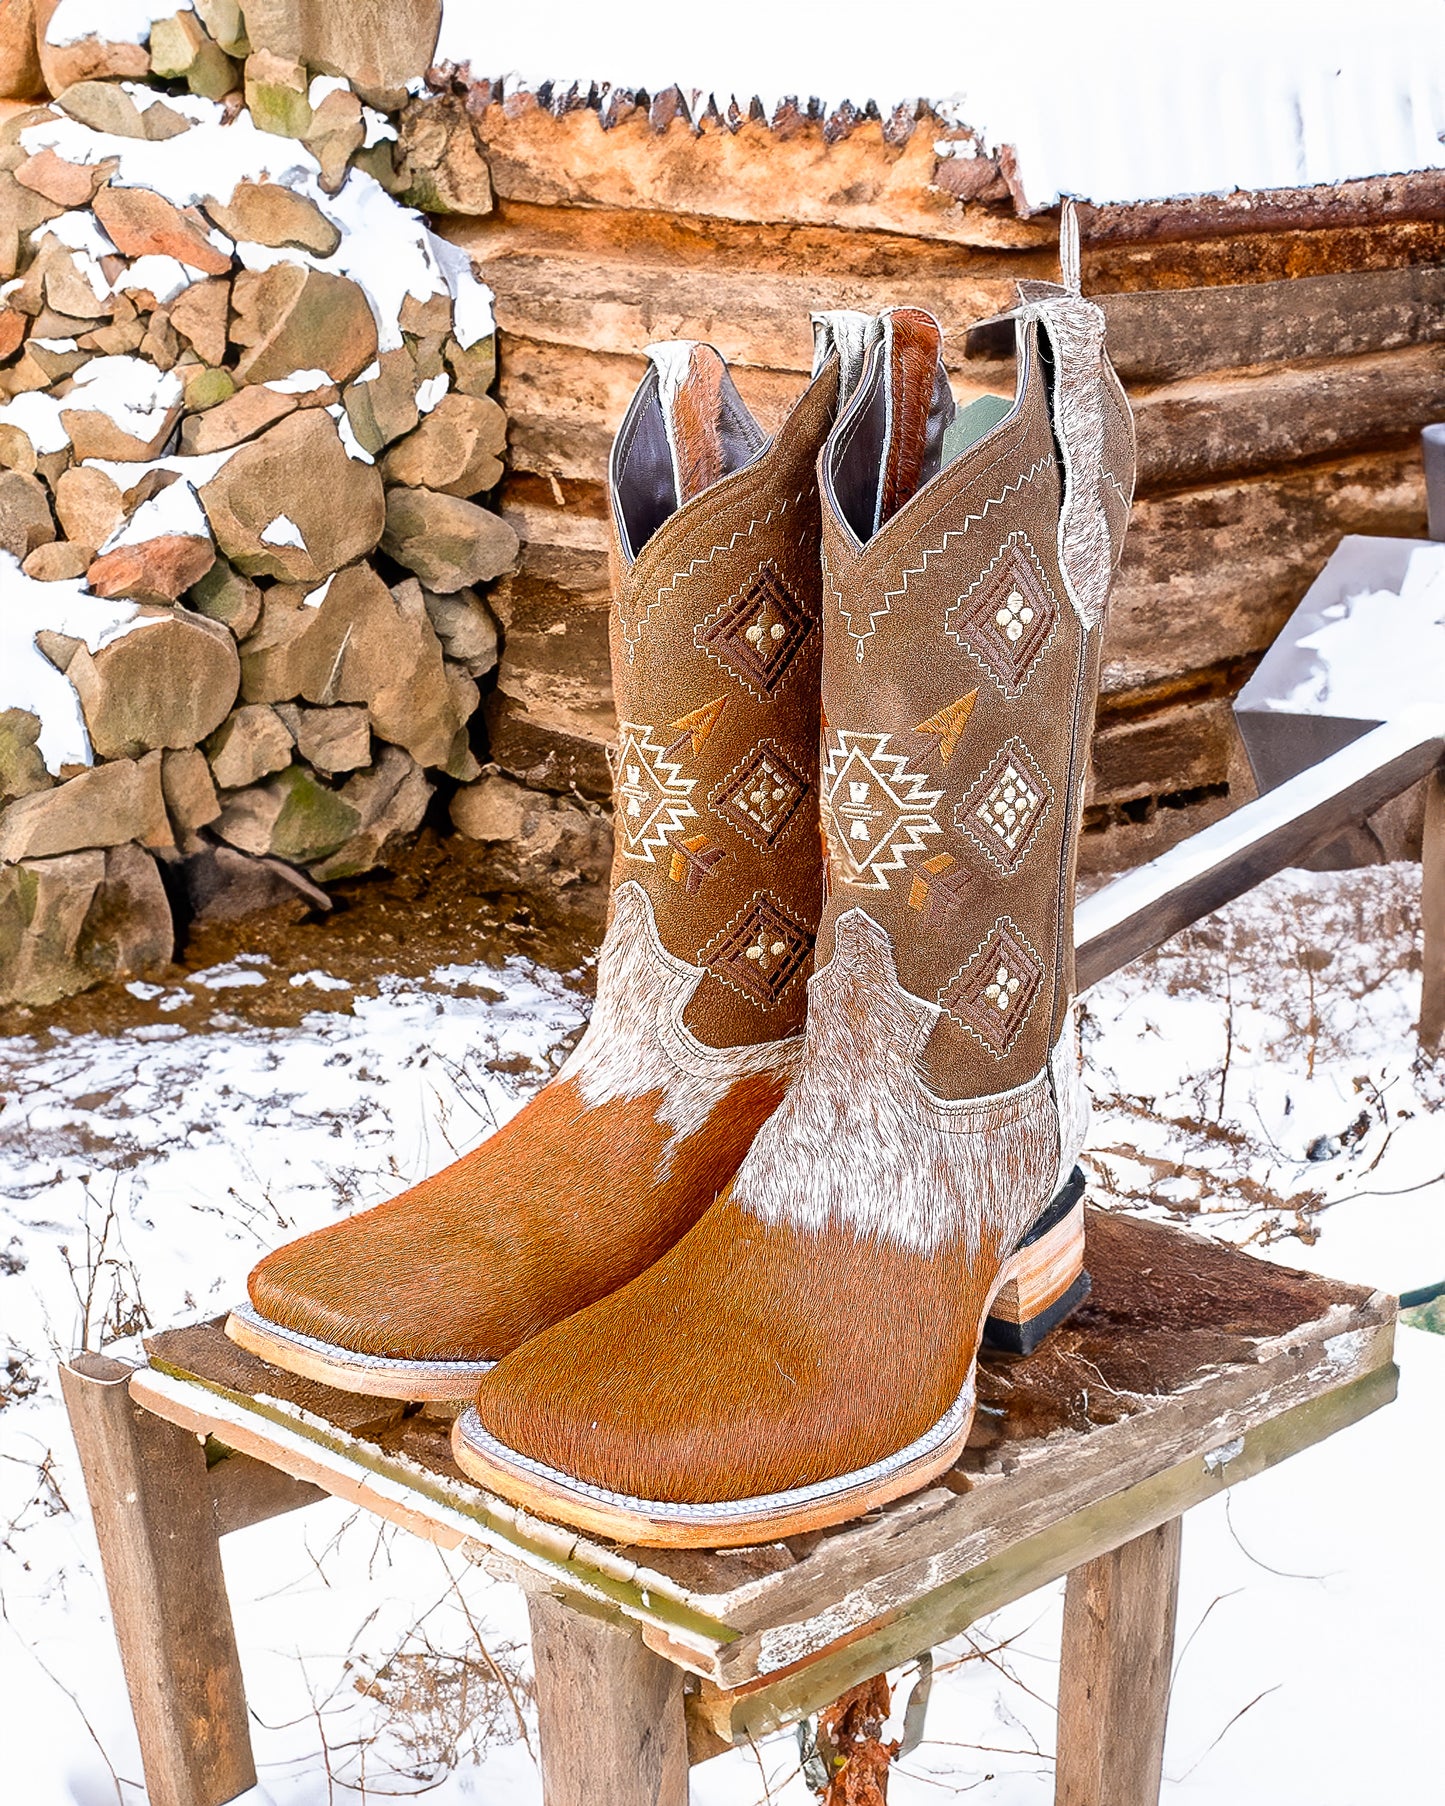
(687, 429)
(896, 443)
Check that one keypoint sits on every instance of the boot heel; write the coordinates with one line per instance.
(1044, 1278)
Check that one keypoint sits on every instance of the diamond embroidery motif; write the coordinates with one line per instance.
(761, 795)
(651, 793)
(994, 992)
(760, 952)
(1002, 811)
(1008, 617)
(758, 632)
(875, 809)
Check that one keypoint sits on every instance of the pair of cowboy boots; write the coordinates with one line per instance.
(723, 1281)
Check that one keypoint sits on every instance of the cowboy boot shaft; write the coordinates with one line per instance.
(716, 651)
(701, 974)
(960, 672)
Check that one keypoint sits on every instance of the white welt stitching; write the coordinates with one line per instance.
(631, 634)
(875, 615)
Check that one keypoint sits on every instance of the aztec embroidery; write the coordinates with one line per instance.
(693, 862)
(761, 795)
(1003, 809)
(695, 728)
(1007, 618)
(651, 793)
(758, 632)
(949, 724)
(876, 810)
(937, 888)
(992, 994)
(760, 952)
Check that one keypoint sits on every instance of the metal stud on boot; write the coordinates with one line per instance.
(717, 885)
(808, 1349)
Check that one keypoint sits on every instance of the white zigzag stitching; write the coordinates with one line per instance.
(875, 615)
(632, 635)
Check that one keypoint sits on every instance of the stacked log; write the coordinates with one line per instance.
(246, 440)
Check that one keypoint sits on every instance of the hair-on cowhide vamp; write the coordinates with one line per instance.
(808, 1348)
(717, 887)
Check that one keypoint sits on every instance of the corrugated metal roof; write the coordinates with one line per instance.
(1114, 101)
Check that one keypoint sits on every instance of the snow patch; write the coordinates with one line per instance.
(37, 414)
(165, 277)
(113, 21)
(282, 531)
(28, 680)
(129, 391)
(314, 598)
(300, 382)
(430, 392)
(174, 512)
(1358, 672)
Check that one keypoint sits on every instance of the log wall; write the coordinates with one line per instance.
(1281, 358)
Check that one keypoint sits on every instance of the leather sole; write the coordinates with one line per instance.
(1037, 1264)
(375, 1376)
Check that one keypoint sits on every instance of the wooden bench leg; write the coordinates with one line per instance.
(156, 1526)
(1114, 1678)
(1432, 910)
(609, 1710)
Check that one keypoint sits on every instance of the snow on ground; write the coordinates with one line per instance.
(1257, 1078)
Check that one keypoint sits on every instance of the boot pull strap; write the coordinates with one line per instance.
(1069, 266)
(851, 335)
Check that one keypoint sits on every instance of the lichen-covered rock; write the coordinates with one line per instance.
(168, 683)
(442, 168)
(292, 815)
(246, 413)
(295, 483)
(224, 595)
(102, 807)
(181, 49)
(390, 799)
(249, 745)
(456, 448)
(292, 318)
(24, 514)
(74, 921)
(276, 92)
(381, 403)
(448, 542)
(381, 46)
(22, 770)
(265, 213)
(473, 367)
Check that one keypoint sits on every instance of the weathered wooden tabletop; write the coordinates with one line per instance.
(1191, 1367)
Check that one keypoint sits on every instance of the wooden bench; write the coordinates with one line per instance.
(1193, 1366)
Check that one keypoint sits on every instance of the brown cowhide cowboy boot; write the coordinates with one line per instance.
(807, 1350)
(717, 885)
